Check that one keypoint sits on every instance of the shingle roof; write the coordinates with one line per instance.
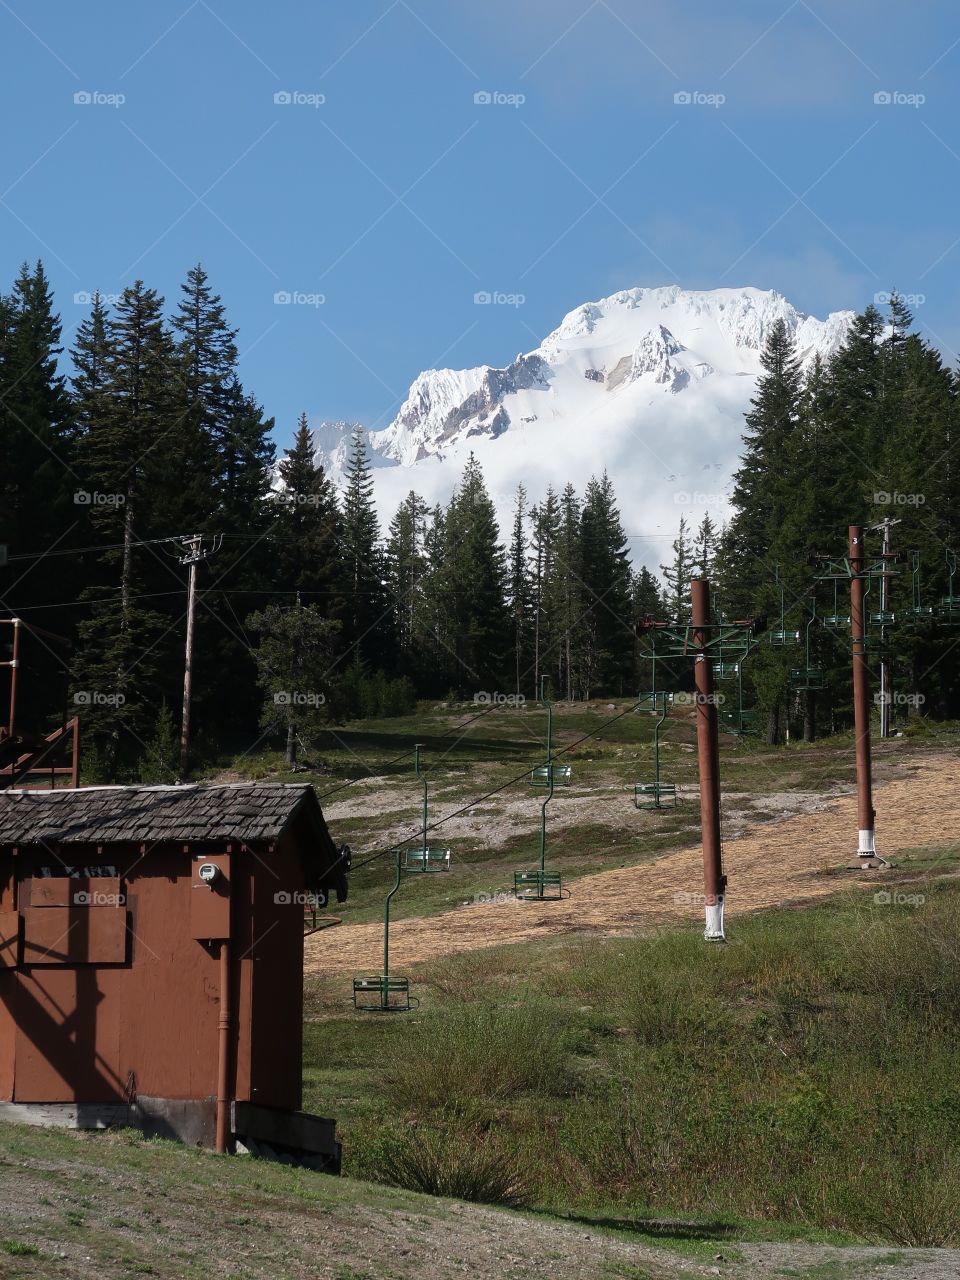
(247, 812)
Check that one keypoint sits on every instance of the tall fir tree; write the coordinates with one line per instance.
(475, 576)
(520, 595)
(307, 527)
(605, 565)
(366, 610)
(677, 574)
(406, 562)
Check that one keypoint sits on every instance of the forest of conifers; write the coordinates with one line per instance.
(310, 613)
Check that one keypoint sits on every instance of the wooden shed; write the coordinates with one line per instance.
(151, 960)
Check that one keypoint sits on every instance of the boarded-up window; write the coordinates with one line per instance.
(71, 921)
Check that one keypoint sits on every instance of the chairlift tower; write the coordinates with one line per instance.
(709, 644)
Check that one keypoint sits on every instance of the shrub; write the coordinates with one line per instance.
(465, 1165)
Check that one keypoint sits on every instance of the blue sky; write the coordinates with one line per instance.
(398, 197)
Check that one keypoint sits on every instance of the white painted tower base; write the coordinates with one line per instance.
(714, 922)
(867, 858)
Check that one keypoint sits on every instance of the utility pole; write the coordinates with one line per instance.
(194, 552)
(886, 693)
(14, 665)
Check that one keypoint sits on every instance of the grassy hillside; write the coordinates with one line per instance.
(805, 1072)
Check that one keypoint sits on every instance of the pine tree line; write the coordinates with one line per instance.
(310, 612)
(869, 434)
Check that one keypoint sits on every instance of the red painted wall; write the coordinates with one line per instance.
(96, 1031)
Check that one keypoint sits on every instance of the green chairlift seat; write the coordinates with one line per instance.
(948, 610)
(540, 884)
(725, 670)
(918, 611)
(383, 993)
(426, 860)
(836, 621)
(537, 885)
(387, 992)
(782, 636)
(743, 720)
(808, 679)
(655, 795)
(561, 775)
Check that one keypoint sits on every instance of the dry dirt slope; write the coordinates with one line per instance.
(774, 864)
(105, 1207)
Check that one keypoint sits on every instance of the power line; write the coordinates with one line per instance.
(431, 826)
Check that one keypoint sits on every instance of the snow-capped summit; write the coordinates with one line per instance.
(648, 382)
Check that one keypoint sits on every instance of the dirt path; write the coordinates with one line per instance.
(772, 865)
(103, 1207)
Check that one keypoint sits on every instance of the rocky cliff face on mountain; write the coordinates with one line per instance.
(652, 380)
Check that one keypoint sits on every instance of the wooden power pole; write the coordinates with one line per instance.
(194, 552)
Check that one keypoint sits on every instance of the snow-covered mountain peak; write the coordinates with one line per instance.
(659, 376)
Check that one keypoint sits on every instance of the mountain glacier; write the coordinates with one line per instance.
(651, 384)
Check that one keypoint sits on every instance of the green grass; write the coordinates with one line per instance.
(772, 1079)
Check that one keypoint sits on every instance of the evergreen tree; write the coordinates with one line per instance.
(366, 609)
(161, 759)
(574, 600)
(761, 494)
(605, 579)
(677, 575)
(124, 457)
(308, 524)
(520, 596)
(546, 581)
(705, 547)
(37, 480)
(406, 563)
(475, 578)
(295, 659)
